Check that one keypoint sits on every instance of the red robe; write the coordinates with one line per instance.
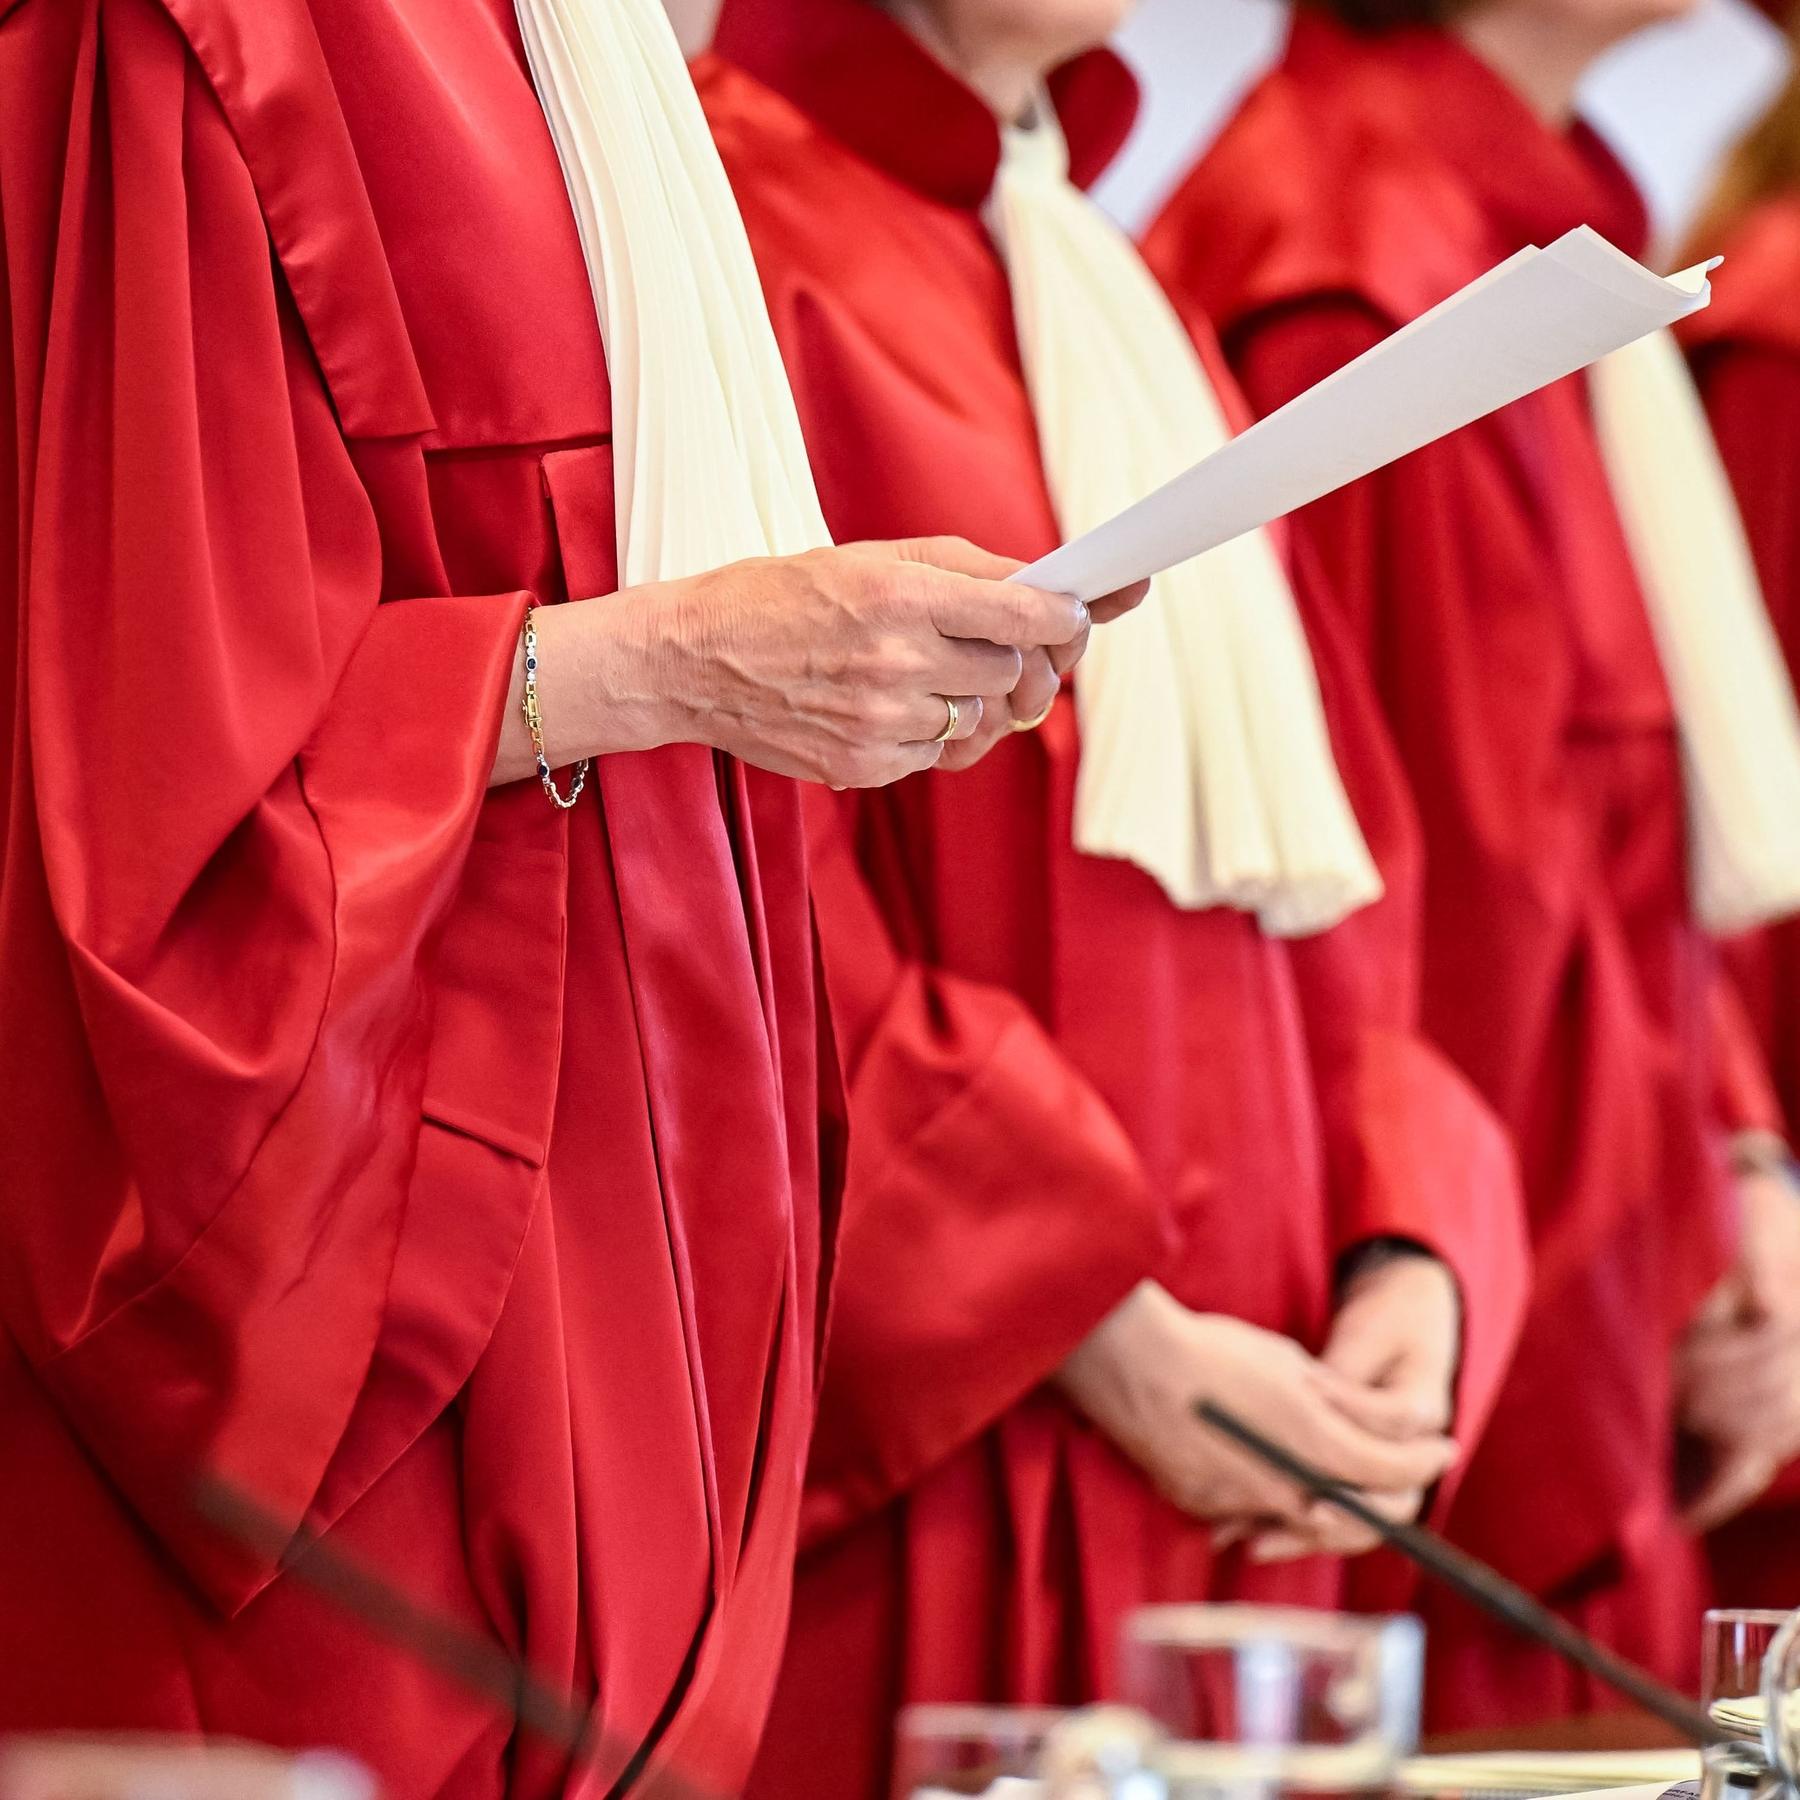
(1746, 354)
(440, 1167)
(1059, 1083)
(1488, 580)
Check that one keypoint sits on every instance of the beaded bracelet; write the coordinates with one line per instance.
(534, 721)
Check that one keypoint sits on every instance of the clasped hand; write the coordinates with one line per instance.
(1139, 1375)
(1738, 1368)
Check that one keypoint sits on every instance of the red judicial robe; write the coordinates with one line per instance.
(1488, 580)
(1746, 354)
(1059, 1083)
(440, 1167)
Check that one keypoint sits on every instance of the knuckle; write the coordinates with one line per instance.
(875, 720)
(1010, 669)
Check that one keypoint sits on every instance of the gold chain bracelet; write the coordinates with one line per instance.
(534, 721)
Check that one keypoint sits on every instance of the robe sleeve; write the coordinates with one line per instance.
(1744, 1089)
(994, 1210)
(1414, 1152)
(241, 798)
(1753, 400)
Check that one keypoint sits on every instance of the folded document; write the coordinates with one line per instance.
(1537, 317)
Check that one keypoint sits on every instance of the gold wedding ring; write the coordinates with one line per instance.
(951, 723)
(1033, 724)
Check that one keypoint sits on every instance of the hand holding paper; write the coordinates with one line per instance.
(1537, 317)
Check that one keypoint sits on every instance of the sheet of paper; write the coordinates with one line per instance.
(1535, 318)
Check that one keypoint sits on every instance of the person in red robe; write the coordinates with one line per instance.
(435, 1165)
(1108, 1154)
(1745, 350)
(1389, 158)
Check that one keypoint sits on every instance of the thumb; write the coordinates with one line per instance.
(1361, 1346)
(1403, 1405)
(1737, 1479)
(956, 554)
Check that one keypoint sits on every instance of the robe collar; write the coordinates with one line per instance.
(862, 76)
(1532, 181)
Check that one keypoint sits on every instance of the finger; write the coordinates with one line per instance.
(1404, 1408)
(1738, 1479)
(1362, 1344)
(942, 718)
(1037, 689)
(970, 666)
(1115, 605)
(1722, 1308)
(1329, 1530)
(965, 753)
(1064, 657)
(1731, 1365)
(1243, 1489)
(891, 766)
(1004, 612)
(1283, 1545)
(1342, 1537)
(956, 554)
(1363, 1458)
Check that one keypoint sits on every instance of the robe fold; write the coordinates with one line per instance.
(1746, 354)
(1488, 582)
(1059, 1083)
(440, 1168)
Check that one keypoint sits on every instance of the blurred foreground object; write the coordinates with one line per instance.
(148, 1768)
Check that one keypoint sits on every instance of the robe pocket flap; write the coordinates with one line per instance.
(579, 483)
(497, 981)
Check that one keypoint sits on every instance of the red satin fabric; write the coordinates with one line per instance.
(1059, 1084)
(1488, 580)
(440, 1167)
(1746, 355)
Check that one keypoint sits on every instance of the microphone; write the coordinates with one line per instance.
(1477, 1582)
(477, 1664)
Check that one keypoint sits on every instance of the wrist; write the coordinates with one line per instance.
(608, 674)
(1114, 1337)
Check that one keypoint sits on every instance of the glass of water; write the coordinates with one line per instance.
(984, 1750)
(1781, 1708)
(1258, 1702)
(1734, 1647)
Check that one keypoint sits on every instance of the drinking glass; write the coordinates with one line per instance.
(946, 1750)
(1780, 1691)
(1735, 1643)
(1261, 1702)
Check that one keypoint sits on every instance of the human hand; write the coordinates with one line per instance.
(146, 1768)
(1040, 681)
(1738, 1384)
(1738, 1367)
(1139, 1374)
(834, 666)
(1397, 1340)
(1766, 1275)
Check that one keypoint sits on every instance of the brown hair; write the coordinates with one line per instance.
(1765, 163)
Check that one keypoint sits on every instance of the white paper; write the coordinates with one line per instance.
(1535, 318)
